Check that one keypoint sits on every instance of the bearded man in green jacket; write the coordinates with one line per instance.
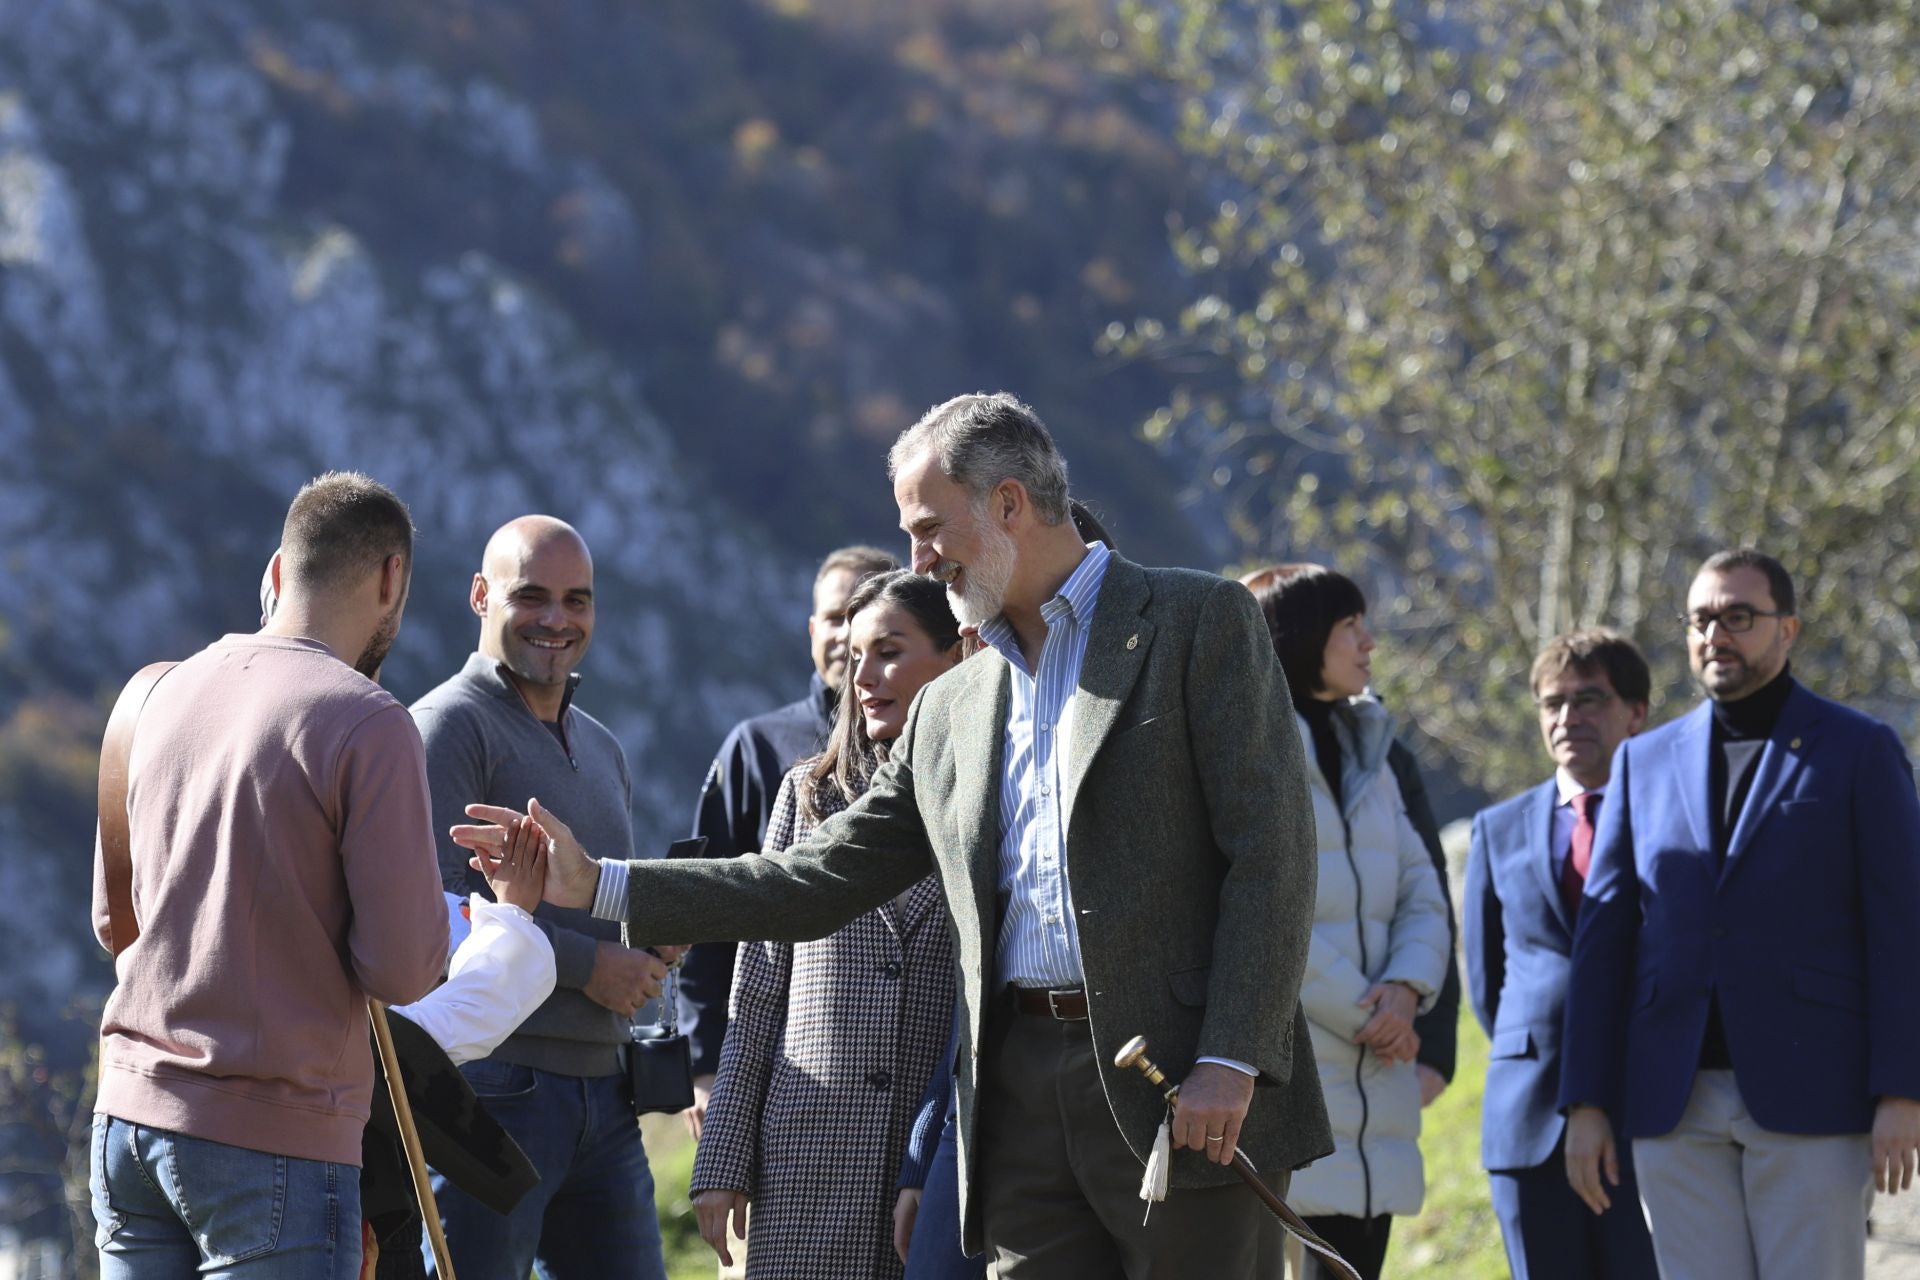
(1112, 793)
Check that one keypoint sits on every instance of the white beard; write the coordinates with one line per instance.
(984, 593)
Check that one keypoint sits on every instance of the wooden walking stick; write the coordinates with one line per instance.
(1134, 1054)
(410, 1137)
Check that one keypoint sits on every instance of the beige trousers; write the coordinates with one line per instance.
(1729, 1200)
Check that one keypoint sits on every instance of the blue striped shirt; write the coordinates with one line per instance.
(1039, 946)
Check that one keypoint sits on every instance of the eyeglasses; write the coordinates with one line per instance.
(1586, 700)
(1736, 619)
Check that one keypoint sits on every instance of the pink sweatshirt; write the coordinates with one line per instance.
(283, 870)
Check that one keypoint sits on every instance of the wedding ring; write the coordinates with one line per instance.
(1215, 1137)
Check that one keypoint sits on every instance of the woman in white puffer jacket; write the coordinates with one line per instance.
(1380, 934)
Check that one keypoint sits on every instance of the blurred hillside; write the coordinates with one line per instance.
(676, 272)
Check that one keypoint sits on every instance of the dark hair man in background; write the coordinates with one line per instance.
(506, 727)
(1743, 994)
(1128, 724)
(741, 784)
(282, 872)
(1526, 868)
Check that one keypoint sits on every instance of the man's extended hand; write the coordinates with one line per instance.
(624, 978)
(1213, 1105)
(1590, 1152)
(572, 876)
(1896, 1144)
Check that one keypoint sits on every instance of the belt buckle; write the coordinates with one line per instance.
(1053, 1004)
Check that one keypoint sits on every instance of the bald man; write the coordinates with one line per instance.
(506, 727)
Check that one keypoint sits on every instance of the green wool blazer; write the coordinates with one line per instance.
(1190, 860)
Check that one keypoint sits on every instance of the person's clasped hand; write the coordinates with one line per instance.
(1389, 1032)
(519, 876)
(624, 978)
(572, 875)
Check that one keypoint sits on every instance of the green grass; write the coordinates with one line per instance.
(1454, 1237)
(670, 1153)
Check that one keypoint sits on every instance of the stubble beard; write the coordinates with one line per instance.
(1728, 684)
(378, 646)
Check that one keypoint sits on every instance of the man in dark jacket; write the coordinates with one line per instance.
(738, 795)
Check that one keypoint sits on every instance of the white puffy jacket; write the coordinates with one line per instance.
(1379, 917)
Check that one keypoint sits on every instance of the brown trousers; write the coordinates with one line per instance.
(1062, 1188)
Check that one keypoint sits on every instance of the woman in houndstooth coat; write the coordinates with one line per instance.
(831, 1043)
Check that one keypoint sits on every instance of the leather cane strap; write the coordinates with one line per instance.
(116, 852)
(1294, 1223)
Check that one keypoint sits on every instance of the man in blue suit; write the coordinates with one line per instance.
(1525, 869)
(1743, 989)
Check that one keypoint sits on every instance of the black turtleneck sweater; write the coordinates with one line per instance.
(1740, 731)
(1318, 713)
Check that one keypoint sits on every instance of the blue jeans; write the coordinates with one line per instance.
(935, 1251)
(166, 1205)
(591, 1217)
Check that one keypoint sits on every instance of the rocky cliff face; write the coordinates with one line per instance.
(676, 272)
(470, 253)
(179, 350)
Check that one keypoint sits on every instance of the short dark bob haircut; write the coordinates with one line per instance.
(1303, 603)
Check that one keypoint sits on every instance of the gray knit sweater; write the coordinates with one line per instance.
(485, 745)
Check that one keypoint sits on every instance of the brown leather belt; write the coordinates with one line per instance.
(1063, 1004)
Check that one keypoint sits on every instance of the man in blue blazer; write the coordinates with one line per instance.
(1743, 982)
(1524, 873)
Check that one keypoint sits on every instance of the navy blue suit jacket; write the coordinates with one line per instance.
(1519, 949)
(1806, 935)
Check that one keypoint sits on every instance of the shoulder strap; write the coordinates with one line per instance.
(116, 855)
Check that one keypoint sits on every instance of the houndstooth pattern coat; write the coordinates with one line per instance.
(828, 1049)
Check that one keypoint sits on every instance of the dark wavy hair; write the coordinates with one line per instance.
(1597, 651)
(1302, 604)
(850, 757)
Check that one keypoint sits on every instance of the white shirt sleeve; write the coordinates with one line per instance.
(499, 975)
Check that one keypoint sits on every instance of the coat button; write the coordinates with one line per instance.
(880, 1080)
(891, 969)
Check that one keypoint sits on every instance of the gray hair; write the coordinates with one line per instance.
(980, 440)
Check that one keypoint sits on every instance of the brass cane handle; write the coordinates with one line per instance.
(1134, 1054)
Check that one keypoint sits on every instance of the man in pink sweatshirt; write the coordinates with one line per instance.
(283, 871)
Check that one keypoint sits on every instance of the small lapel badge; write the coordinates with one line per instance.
(1795, 744)
(1133, 642)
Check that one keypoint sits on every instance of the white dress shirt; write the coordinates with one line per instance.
(501, 970)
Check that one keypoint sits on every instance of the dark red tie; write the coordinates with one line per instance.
(1573, 878)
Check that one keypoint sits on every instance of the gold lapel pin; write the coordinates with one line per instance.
(1795, 744)
(1133, 642)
